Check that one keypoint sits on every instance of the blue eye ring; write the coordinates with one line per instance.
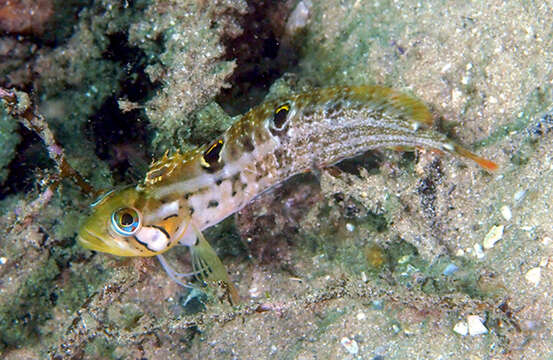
(126, 221)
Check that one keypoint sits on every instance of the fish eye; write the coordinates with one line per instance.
(126, 221)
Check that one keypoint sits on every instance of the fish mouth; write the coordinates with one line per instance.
(92, 241)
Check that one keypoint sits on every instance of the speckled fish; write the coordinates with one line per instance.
(184, 194)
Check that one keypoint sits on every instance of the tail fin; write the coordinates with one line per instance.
(484, 163)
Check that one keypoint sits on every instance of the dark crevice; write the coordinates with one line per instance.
(259, 55)
(30, 158)
(119, 136)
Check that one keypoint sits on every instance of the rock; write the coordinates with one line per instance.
(461, 328)
(450, 269)
(350, 345)
(533, 276)
(478, 251)
(475, 325)
(506, 212)
(494, 235)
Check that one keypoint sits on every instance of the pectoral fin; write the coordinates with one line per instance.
(210, 267)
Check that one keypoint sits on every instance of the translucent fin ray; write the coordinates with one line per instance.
(213, 270)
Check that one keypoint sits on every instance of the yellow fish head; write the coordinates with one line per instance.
(126, 222)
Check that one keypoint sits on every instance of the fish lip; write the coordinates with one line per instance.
(94, 242)
(91, 241)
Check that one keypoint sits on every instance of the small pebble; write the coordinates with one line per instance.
(350, 345)
(450, 269)
(533, 276)
(475, 325)
(377, 305)
(3, 260)
(547, 241)
(461, 328)
(494, 235)
(519, 195)
(361, 316)
(350, 227)
(404, 259)
(478, 251)
(506, 212)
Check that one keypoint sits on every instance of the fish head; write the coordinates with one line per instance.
(126, 222)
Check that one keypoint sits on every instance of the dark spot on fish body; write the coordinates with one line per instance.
(280, 158)
(212, 204)
(236, 183)
(218, 182)
(247, 143)
(190, 210)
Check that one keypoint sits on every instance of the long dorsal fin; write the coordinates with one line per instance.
(413, 109)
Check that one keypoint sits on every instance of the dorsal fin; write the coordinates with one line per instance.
(413, 109)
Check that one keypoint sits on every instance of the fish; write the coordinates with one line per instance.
(185, 193)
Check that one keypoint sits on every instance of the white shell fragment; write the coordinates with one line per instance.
(475, 325)
(533, 276)
(350, 345)
(461, 328)
(478, 251)
(506, 212)
(494, 235)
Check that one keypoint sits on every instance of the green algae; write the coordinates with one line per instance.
(124, 316)
(9, 138)
(25, 314)
(100, 348)
(21, 317)
(188, 65)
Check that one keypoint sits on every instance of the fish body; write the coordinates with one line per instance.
(183, 194)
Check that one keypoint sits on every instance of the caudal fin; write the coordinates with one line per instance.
(484, 163)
